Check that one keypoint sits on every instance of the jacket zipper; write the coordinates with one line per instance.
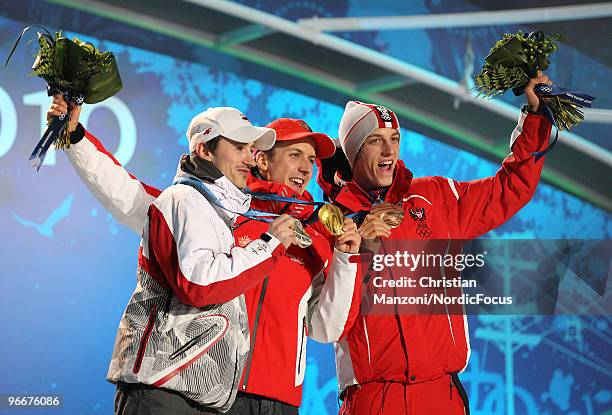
(235, 381)
(400, 330)
(145, 339)
(301, 344)
(448, 316)
(247, 369)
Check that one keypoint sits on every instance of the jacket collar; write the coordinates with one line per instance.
(355, 199)
(257, 184)
(230, 197)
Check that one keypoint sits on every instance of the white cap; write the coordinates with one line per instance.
(358, 122)
(230, 123)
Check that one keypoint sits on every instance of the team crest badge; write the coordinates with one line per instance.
(419, 215)
(384, 112)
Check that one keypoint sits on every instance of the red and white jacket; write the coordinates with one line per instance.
(185, 326)
(310, 292)
(418, 348)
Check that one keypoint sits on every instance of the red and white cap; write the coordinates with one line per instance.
(358, 122)
(229, 123)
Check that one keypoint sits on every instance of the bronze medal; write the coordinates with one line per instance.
(391, 215)
(392, 219)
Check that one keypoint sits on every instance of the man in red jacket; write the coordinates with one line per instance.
(297, 300)
(406, 363)
(311, 292)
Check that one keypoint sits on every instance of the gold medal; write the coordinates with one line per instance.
(391, 215)
(303, 239)
(331, 216)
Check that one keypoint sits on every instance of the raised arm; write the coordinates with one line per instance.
(482, 205)
(124, 196)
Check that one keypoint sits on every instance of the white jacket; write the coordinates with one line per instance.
(185, 327)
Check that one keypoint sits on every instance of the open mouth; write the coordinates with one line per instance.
(297, 182)
(386, 165)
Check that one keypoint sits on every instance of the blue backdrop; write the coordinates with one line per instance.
(68, 268)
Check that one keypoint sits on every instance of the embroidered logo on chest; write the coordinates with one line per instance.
(419, 215)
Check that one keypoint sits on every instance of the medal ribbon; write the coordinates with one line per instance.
(579, 98)
(302, 237)
(56, 127)
(277, 198)
(255, 214)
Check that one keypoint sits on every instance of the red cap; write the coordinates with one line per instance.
(288, 129)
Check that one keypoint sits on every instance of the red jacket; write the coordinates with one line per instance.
(417, 348)
(278, 307)
(310, 292)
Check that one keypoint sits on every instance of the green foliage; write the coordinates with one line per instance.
(495, 80)
(513, 60)
(77, 68)
(516, 58)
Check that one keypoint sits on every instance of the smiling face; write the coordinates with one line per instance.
(232, 158)
(375, 162)
(289, 163)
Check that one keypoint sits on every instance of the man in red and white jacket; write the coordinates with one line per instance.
(183, 337)
(405, 363)
(310, 292)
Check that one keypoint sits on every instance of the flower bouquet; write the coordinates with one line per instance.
(515, 59)
(77, 70)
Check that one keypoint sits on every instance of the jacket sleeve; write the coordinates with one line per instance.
(336, 298)
(124, 196)
(182, 251)
(476, 207)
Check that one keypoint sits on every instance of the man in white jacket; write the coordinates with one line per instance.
(183, 338)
